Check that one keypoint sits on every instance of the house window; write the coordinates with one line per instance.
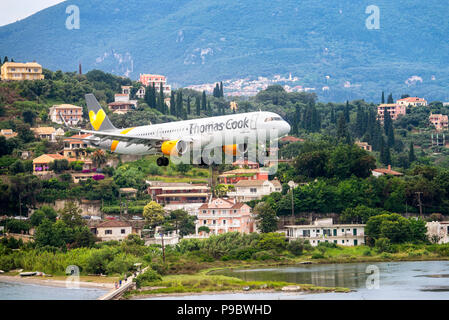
(224, 221)
(123, 231)
(335, 232)
(108, 232)
(354, 231)
(343, 241)
(252, 190)
(214, 221)
(204, 222)
(306, 233)
(355, 242)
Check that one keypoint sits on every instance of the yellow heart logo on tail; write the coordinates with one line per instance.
(97, 119)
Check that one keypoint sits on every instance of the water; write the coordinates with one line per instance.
(21, 291)
(424, 280)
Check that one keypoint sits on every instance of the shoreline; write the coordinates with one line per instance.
(54, 283)
(184, 294)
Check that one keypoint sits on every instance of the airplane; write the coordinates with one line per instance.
(175, 138)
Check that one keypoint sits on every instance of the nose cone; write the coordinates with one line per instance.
(285, 128)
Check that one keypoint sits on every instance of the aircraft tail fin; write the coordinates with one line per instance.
(98, 118)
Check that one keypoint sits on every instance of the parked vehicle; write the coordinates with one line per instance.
(95, 218)
(86, 217)
(136, 218)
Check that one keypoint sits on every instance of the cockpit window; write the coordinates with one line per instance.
(273, 119)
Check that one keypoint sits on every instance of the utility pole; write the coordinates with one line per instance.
(419, 193)
(163, 247)
(291, 184)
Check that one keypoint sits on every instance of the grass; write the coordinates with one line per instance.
(202, 282)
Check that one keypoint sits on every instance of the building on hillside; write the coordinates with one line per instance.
(438, 231)
(76, 148)
(223, 215)
(121, 107)
(14, 71)
(45, 133)
(177, 193)
(364, 146)
(324, 230)
(127, 90)
(393, 109)
(170, 238)
(382, 172)
(247, 190)
(440, 121)
(156, 80)
(245, 164)
(112, 230)
(8, 133)
(234, 176)
(412, 102)
(71, 114)
(41, 165)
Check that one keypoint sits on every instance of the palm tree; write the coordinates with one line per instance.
(99, 158)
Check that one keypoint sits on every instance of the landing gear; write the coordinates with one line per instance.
(162, 161)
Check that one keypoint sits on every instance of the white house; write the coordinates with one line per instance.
(438, 230)
(247, 190)
(113, 230)
(324, 230)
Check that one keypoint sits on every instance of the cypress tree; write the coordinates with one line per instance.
(153, 96)
(411, 153)
(383, 98)
(342, 129)
(209, 108)
(333, 119)
(390, 98)
(188, 105)
(6, 59)
(385, 156)
(161, 102)
(221, 89)
(359, 130)
(216, 92)
(388, 128)
(172, 104)
(179, 104)
(204, 101)
(346, 112)
(198, 106)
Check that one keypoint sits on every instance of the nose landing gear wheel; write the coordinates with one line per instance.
(162, 161)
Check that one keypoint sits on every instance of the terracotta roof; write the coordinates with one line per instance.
(47, 158)
(412, 99)
(43, 130)
(387, 171)
(79, 136)
(19, 64)
(243, 171)
(120, 103)
(243, 162)
(226, 204)
(291, 139)
(250, 183)
(113, 224)
(66, 106)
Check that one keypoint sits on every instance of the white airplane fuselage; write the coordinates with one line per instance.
(235, 126)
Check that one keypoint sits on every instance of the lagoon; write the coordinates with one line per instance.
(420, 280)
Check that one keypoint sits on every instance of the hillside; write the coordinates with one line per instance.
(196, 41)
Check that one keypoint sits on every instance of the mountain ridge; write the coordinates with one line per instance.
(197, 41)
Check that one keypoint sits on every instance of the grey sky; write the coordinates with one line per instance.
(13, 10)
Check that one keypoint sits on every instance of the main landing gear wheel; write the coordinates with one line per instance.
(162, 161)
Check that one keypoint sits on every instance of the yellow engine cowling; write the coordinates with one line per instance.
(173, 147)
(231, 149)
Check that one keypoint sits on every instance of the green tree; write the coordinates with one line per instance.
(266, 217)
(71, 215)
(411, 153)
(153, 212)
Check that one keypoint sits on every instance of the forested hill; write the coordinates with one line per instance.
(196, 41)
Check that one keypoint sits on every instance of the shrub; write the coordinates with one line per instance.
(296, 247)
(149, 276)
(318, 255)
(383, 245)
(264, 255)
